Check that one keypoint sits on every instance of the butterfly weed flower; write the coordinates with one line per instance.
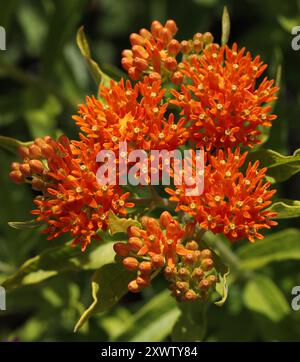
(71, 200)
(132, 114)
(233, 203)
(158, 54)
(161, 246)
(223, 99)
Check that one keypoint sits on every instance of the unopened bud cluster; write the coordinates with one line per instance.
(189, 270)
(33, 163)
(158, 54)
(194, 276)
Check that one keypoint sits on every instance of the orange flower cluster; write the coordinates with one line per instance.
(72, 201)
(136, 115)
(154, 52)
(233, 203)
(221, 99)
(151, 249)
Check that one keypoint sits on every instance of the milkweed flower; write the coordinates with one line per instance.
(132, 114)
(223, 100)
(233, 203)
(158, 54)
(72, 201)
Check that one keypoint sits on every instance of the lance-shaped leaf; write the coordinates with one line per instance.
(120, 225)
(261, 295)
(225, 26)
(99, 76)
(59, 259)
(191, 325)
(22, 225)
(221, 286)
(286, 209)
(280, 167)
(280, 246)
(11, 144)
(109, 285)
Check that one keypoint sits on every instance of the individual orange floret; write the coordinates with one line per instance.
(155, 53)
(72, 201)
(233, 203)
(224, 102)
(136, 115)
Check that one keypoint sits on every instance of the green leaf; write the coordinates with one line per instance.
(99, 76)
(109, 284)
(11, 144)
(43, 266)
(286, 209)
(221, 287)
(225, 26)
(280, 168)
(191, 325)
(59, 259)
(120, 225)
(153, 322)
(31, 224)
(261, 295)
(280, 246)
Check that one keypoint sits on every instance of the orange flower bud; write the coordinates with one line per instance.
(140, 52)
(190, 295)
(206, 253)
(183, 286)
(135, 243)
(183, 272)
(134, 231)
(145, 267)
(174, 47)
(36, 166)
(171, 64)
(177, 78)
(192, 245)
(154, 76)
(17, 177)
(156, 27)
(127, 53)
(208, 38)
(140, 64)
(143, 281)
(34, 151)
(198, 273)
(121, 249)
(158, 261)
(198, 36)
(171, 26)
(25, 169)
(165, 219)
(134, 287)
(145, 34)
(15, 166)
(198, 45)
(212, 279)
(185, 46)
(130, 263)
(47, 150)
(204, 284)
(207, 264)
(165, 36)
(23, 151)
(126, 63)
(190, 258)
(136, 39)
(169, 272)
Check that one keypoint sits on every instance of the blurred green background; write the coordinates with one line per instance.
(42, 79)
